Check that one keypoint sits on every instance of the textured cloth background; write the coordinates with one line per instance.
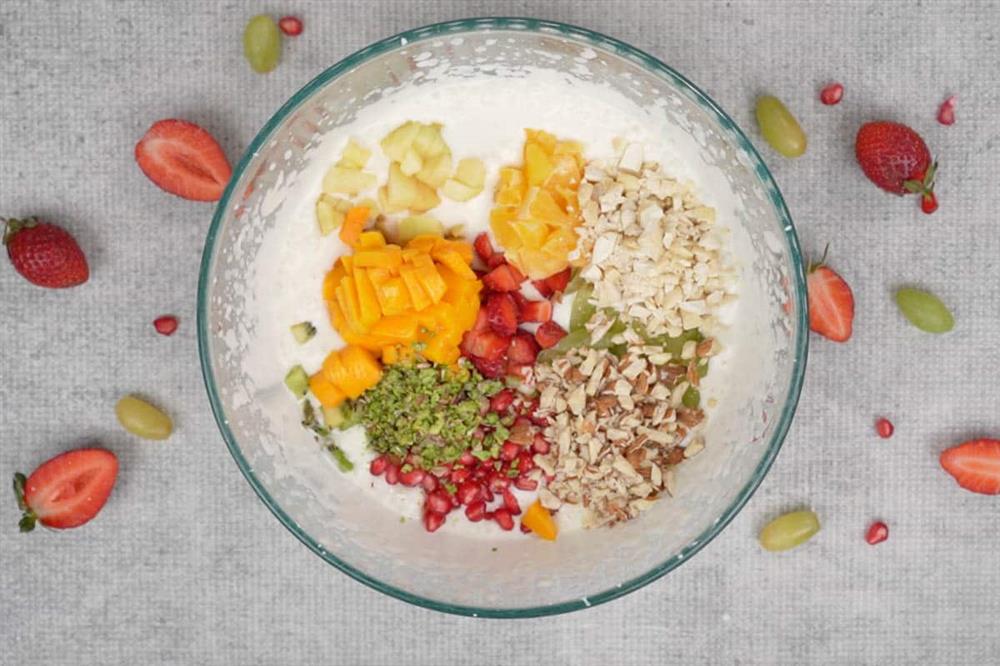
(185, 565)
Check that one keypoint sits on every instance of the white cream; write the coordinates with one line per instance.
(483, 117)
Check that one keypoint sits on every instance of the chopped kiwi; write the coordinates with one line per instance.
(303, 332)
(343, 462)
(297, 381)
(333, 417)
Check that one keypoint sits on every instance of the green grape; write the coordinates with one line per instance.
(582, 309)
(262, 43)
(691, 398)
(143, 419)
(924, 310)
(779, 127)
(789, 530)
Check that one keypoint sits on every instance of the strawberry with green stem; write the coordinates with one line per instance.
(46, 255)
(896, 159)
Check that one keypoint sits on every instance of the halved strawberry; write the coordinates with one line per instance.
(67, 490)
(523, 349)
(183, 159)
(549, 334)
(484, 248)
(486, 344)
(502, 313)
(503, 278)
(975, 465)
(540, 311)
(831, 303)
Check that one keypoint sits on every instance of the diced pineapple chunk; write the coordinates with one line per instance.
(417, 225)
(354, 156)
(398, 141)
(457, 191)
(470, 171)
(341, 180)
(436, 170)
(405, 192)
(428, 141)
(330, 213)
(411, 163)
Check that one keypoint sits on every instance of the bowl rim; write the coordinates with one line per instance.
(593, 39)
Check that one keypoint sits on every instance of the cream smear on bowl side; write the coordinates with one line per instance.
(483, 117)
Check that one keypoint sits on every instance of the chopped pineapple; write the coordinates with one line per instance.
(435, 170)
(470, 171)
(417, 225)
(398, 141)
(412, 163)
(355, 156)
(341, 180)
(457, 191)
(330, 212)
(407, 193)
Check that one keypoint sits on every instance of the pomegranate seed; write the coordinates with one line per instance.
(498, 482)
(501, 401)
(525, 529)
(529, 407)
(480, 473)
(504, 519)
(165, 325)
(929, 203)
(510, 503)
(391, 474)
(292, 26)
(468, 492)
(540, 420)
(832, 94)
(487, 493)
(509, 451)
(467, 459)
(524, 483)
(378, 466)
(430, 483)
(946, 113)
(884, 428)
(459, 475)
(539, 444)
(433, 520)
(525, 462)
(454, 501)
(489, 515)
(412, 478)
(439, 501)
(476, 511)
(877, 533)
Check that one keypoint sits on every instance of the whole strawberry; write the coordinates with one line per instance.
(46, 255)
(895, 158)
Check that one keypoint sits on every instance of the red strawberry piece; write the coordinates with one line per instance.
(946, 112)
(490, 369)
(504, 519)
(290, 25)
(502, 400)
(483, 246)
(518, 276)
(895, 158)
(183, 159)
(523, 349)
(832, 94)
(503, 278)
(497, 259)
(44, 254)
(68, 490)
(501, 312)
(831, 303)
(165, 325)
(540, 311)
(975, 465)
(549, 334)
(521, 301)
(510, 503)
(433, 520)
(542, 288)
(877, 533)
(487, 345)
(557, 282)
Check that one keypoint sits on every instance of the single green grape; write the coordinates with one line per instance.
(789, 530)
(779, 127)
(262, 43)
(582, 309)
(924, 310)
(143, 419)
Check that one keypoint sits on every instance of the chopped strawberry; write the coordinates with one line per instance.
(486, 345)
(518, 370)
(67, 490)
(540, 311)
(831, 303)
(542, 287)
(501, 401)
(496, 259)
(521, 301)
(523, 349)
(503, 278)
(549, 334)
(502, 313)
(516, 274)
(490, 369)
(975, 465)
(482, 321)
(183, 159)
(484, 248)
(557, 282)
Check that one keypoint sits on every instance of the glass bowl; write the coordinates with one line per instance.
(459, 574)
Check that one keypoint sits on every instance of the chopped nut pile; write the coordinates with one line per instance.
(619, 426)
(653, 249)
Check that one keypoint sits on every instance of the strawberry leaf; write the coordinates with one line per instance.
(19, 482)
(913, 186)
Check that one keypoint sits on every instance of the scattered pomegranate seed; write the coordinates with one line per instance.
(165, 325)
(928, 203)
(391, 474)
(525, 528)
(459, 475)
(412, 478)
(877, 533)
(433, 520)
(430, 483)
(946, 113)
(439, 501)
(884, 428)
(501, 401)
(540, 444)
(291, 26)
(524, 483)
(467, 459)
(498, 482)
(378, 466)
(832, 94)
(510, 503)
(468, 492)
(476, 511)
(526, 462)
(504, 519)
(509, 451)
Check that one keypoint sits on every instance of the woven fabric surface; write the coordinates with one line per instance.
(186, 566)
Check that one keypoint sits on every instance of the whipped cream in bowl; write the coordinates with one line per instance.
(486, 82)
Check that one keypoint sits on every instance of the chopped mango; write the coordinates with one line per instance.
(538, 519)
(324, 390)
(371, 240)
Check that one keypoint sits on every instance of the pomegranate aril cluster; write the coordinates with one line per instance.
(482, 486)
